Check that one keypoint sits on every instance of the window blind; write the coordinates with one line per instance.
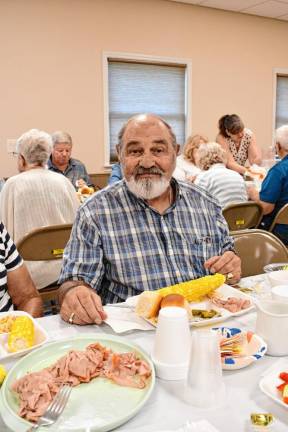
(136, 88)
(282, 100)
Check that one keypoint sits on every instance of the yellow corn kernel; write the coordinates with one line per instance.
(194, 290)
(21, 335)
(3, 374)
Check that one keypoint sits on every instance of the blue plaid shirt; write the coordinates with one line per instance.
(75, 170)
(120, 246)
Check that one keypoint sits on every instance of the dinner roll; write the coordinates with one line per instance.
(176, 300)
(148, 304)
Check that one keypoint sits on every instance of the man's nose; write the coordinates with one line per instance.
(147, 161)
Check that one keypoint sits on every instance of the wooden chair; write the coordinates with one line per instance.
(280, 218)
(243, 215)
(45, 244)
(257, 248)
(99, 180)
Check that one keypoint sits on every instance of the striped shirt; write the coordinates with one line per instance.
(9, 261)
(120, 246)
(223, 184)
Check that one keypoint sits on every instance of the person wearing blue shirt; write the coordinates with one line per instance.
(116, 174)
(274, 190)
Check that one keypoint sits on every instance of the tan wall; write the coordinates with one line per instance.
(51, 65)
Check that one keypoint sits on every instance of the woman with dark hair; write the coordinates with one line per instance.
(239, 143)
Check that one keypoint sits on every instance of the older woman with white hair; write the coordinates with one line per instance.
(36, 197)
(222, 183)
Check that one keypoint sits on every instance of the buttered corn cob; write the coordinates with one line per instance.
(21, 335)
(193, 290)
(3, 374)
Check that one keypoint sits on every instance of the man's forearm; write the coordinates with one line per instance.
(33, 306)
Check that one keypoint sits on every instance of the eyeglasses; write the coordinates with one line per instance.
(15, 154)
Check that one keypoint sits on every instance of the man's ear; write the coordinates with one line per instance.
(118, 149)
(177, 149)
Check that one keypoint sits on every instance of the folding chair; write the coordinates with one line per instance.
(45, 244)
(243, 215)
(280, 218)
(257, 248)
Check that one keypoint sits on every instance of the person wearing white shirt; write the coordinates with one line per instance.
(222, 183)
(186, 168)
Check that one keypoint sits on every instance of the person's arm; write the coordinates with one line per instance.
(116, 174)
(254, 153)
(82, 272)
(23, 292)
(231, 163)
(253, 195)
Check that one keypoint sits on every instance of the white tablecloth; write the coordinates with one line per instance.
(166, 410)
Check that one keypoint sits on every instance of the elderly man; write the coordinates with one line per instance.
(17, 289)
(144, 232)
(62, 163)
(274, 189)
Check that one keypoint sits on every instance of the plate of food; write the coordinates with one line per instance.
(210, 307)
(112, 379)
(19, 334)
(275, 383)
(239, 348)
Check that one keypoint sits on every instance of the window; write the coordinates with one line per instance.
(281, 116)
(140, 85)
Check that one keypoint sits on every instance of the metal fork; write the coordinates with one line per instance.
(55, 408)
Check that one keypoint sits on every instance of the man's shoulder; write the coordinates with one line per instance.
(76, 162)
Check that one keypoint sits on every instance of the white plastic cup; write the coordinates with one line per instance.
(205, 387)
(279, 277)
(280, 293)
(171, 349)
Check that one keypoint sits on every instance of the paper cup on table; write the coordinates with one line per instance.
(171, 350)
(205, 387)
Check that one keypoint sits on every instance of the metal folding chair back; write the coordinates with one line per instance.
(257, 248)
(45, 244)
(280, 218)
(243, 215)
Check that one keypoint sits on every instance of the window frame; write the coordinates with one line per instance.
(276, 72)
(141, 58)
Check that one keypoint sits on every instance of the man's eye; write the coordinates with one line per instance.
(134, 152)
(159, 150)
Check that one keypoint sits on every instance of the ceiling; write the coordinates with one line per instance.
(270, 8)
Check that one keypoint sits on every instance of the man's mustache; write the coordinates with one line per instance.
(152, 170)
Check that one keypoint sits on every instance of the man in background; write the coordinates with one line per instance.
(62, 163)
(274, 189)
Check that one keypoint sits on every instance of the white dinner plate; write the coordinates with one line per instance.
(224, 291)
(98, 406)
(271, 380)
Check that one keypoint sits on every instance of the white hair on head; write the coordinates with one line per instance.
(35, 146)
(61, 137)
(281, 137)
(209, 154)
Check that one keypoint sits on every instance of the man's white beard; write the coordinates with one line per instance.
(148, 189)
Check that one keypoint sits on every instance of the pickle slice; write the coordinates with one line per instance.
(204, 313)
(261, 419)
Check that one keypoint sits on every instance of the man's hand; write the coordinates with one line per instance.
(84, 305)
(228, 264)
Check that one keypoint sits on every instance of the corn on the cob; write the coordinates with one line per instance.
(21, 335)
(193, 290)
(3, 374)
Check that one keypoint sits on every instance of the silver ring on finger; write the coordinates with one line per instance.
(70, 320)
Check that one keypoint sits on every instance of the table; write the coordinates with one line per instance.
(165, 410)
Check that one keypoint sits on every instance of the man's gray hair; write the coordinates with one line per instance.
(35, 146)
(281, 136)
(210, 154)
(61, 137)
(139, 116)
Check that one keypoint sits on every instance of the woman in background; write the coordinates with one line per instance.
(239, 143)
(186, 168)
(224, 184)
